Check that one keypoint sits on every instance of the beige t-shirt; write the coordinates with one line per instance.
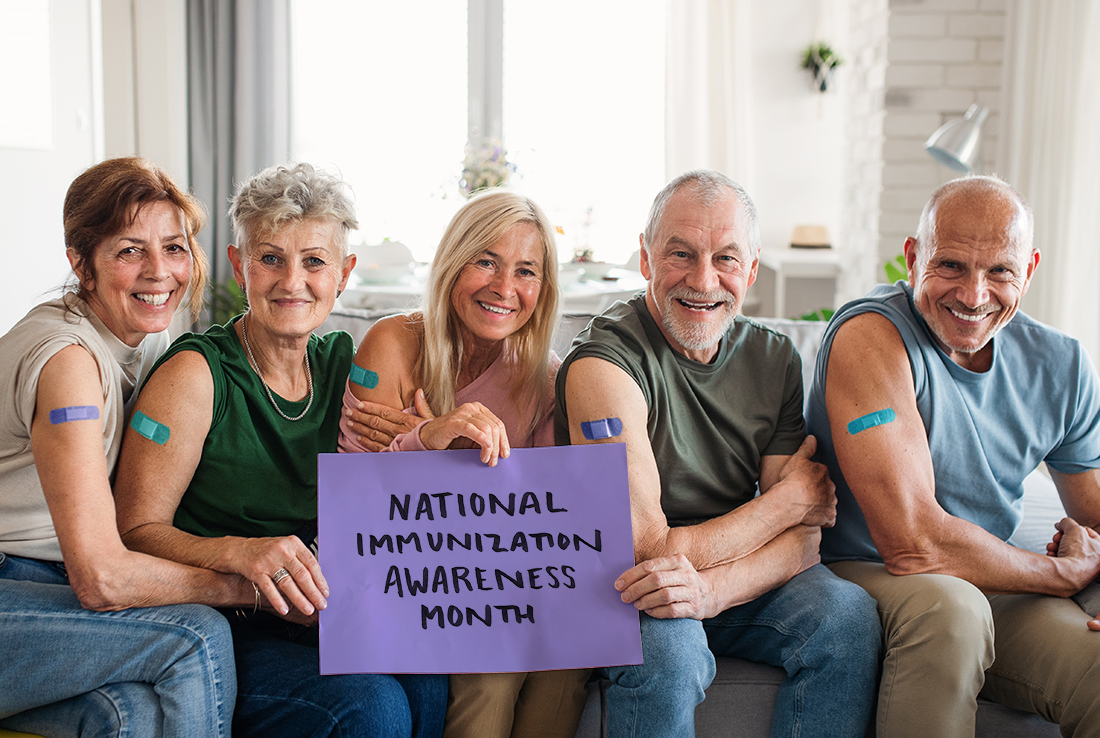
(26, 528)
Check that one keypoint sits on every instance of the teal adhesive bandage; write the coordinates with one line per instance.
(882, 417)
(363, 377)
(76, 412)
(156, 432)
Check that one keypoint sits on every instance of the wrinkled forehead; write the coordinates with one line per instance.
(980, 218)
(717, 222)
(326, 233)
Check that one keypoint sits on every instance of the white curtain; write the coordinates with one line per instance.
(1050, 151)
(708, 88)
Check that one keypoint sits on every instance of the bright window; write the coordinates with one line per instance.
(380, 95)
(584, 116)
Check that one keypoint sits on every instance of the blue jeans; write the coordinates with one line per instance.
(823, 631)
(281, 691)
(67, 671)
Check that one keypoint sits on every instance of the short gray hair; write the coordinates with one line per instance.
(290, 193)
(707, 186)
(1022, 231)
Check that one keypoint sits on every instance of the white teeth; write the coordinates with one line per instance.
(698, 305)
(154, 299)
(968, 317)
(495, 309)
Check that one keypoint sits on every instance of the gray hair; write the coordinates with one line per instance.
(706, 186)
(1021, 233)
(289, 193)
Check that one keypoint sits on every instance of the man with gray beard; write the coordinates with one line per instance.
(710, 408)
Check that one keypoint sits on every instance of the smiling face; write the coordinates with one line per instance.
(699, 267)
(291, 277)
(496, 293)
(968, 282)
(141, 273)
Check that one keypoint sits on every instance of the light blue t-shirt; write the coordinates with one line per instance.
(1039, 401)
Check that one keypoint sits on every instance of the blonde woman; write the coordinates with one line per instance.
(474, 370)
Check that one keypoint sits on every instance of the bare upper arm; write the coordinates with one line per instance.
(390, 350)
(596, 390)
(69, 456)
(1080, 494)
(888, 467)
(153, 477)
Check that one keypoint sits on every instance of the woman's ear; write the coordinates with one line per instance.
(77, 264)
(238, 270)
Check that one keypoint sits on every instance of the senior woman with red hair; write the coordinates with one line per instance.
(80, 641)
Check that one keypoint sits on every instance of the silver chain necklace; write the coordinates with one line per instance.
(256, 366)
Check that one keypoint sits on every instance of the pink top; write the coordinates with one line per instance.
(491, 389)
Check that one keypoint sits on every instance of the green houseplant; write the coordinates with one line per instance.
(821, 61)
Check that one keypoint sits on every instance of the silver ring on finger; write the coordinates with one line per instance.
(279, 576)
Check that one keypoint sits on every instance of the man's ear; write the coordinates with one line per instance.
(643, 257)
(911, 259)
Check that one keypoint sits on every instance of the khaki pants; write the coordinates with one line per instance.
(539, 704)
(945, 643)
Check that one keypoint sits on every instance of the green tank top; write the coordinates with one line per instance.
(258, 471)
(709, 424)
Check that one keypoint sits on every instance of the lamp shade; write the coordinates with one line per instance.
(958, 143)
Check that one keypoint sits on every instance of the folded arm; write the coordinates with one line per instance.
(670, 587)
(890, 472)
(793, 490)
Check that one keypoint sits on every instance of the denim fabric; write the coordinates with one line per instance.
(282, 693)
(823, 631)
(157, 671)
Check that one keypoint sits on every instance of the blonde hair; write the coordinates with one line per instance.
(478, 224)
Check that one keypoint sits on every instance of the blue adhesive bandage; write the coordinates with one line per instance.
(76, 412)
(882, 417)
(363, 377)
(595, 430)
(156, 432)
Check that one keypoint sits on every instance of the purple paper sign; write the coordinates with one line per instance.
(437, 563)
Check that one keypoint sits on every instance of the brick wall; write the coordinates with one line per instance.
(942, 55)
(865, 77)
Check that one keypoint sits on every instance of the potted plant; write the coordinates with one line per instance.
(820, 59)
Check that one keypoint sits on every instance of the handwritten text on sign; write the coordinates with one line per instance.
(438, 563)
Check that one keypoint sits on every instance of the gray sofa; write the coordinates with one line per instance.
(742, 697)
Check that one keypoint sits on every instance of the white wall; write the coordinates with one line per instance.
(797, 138)
(797, 132)
(118, 75)
(33, 187)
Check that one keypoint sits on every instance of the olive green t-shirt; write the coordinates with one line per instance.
(258, 471)
(709, 424)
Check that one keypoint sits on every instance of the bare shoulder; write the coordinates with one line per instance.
(865, 345)
(393, 337)
(181, 374)
(70, 362)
